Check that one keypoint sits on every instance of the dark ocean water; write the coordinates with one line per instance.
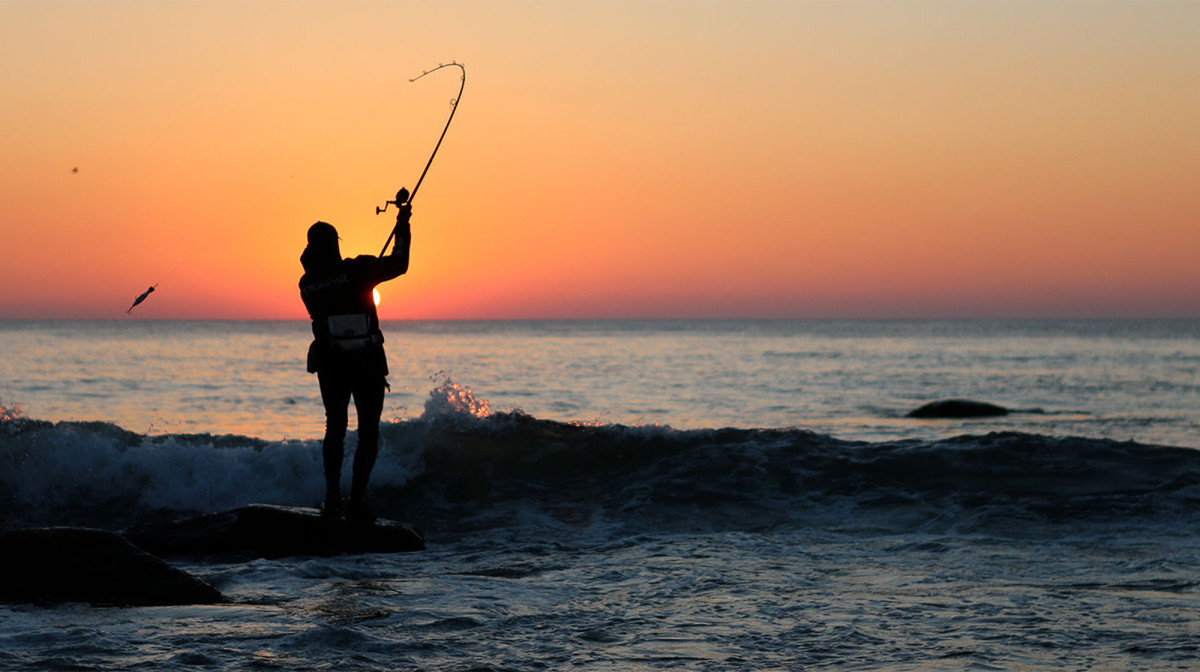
(599, 522)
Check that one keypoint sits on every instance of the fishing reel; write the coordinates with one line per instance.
(401, 200)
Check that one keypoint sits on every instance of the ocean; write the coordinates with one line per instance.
(637, 495)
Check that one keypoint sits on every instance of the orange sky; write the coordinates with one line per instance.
(609, 159)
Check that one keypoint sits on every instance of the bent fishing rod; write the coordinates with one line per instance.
(404, 197)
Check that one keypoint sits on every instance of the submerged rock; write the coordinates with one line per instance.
(267, 531)
(958, 408)
(66, 564)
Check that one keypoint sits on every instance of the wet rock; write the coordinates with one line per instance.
(958, 408)
(65, 564)
(267, 531)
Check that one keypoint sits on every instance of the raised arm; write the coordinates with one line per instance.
(396, 263)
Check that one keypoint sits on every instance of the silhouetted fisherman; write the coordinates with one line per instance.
(347, 351)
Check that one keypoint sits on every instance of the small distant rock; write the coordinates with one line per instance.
(66, 564)
(958, 408)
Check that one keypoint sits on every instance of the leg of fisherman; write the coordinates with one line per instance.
(368, 401)
(335, 394)
(348, 344)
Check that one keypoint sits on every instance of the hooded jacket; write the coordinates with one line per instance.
(338, 295)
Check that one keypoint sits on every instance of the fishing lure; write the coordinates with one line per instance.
(129, 311)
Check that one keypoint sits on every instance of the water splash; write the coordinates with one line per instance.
(10, 413)
(454, 401)
(13, 419)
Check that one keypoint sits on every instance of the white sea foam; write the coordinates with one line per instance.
(52, 466)
(83, 466)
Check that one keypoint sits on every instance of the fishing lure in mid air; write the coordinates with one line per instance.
(140, 299)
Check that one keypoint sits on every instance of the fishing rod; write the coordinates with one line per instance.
(404, 197)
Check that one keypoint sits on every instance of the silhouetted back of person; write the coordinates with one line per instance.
(347, 351)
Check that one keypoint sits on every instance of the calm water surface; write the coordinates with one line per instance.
(1123, 380)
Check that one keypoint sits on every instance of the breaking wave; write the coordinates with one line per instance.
(460, 467)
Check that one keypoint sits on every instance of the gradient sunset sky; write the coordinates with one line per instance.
(608, 159)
